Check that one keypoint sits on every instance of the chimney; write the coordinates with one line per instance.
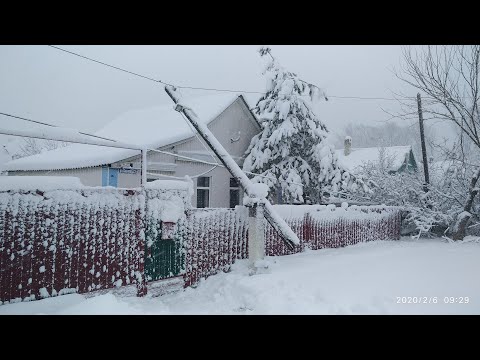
(348, 146)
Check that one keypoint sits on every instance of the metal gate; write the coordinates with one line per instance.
(163, 256)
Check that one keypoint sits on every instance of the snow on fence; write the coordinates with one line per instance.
(215, 238)
(56, 242)
(67, 237)
(331, 227)
(58, 236)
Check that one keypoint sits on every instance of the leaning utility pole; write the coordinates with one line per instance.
(260, 207)
(422, 139)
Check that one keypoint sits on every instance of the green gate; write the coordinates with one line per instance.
(163, 258)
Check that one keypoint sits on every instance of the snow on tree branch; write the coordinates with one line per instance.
(292, 152)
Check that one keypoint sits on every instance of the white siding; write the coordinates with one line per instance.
(88, 176)
(129, 180)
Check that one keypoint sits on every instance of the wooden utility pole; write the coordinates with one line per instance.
(261, 209)
(422, 139)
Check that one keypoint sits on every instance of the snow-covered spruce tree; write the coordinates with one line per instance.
(292, 152)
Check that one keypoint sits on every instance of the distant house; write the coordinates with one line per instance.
(160, 128)
(396, 158)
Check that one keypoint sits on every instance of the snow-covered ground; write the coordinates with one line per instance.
(370, 278)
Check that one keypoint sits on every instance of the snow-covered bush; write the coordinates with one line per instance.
(427, 213)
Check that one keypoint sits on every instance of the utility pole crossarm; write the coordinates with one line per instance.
(273, 218)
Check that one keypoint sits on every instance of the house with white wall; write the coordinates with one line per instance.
(163, 129)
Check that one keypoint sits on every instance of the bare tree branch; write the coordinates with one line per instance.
(449, 77)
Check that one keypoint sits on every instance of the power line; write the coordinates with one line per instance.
(21, 118)
(210, 89)
(362, 98)
(185, 157)
(105, 64)
(183, 178)
(222, 90)
(108, 139)
(214, 164)
(55, 126)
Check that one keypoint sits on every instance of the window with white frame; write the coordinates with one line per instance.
(234, 193)
(203, 192)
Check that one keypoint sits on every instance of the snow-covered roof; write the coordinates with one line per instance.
(152, 127)
(361, 156)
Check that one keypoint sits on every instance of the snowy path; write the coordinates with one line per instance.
(361, 279)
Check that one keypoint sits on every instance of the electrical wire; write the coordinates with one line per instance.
(105, 64)
(184, 157)
(55, 126)
(214, 89)
(154, 150)
(216, 164)
(209, 163)
(168, 176)
(182, 178)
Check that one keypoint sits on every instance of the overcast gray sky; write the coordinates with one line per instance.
(46, 84)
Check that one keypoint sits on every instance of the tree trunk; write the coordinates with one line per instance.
(464, 217)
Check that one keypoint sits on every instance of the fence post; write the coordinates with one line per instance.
(141, 279)
(141, 232)
(256, 235)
